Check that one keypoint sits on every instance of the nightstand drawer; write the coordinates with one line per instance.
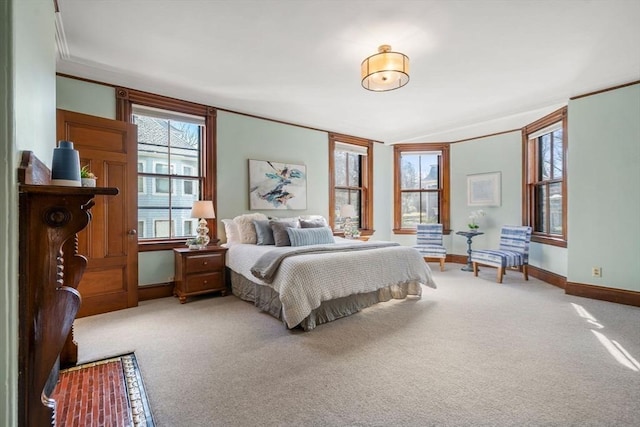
(204, 282)
(204, 262)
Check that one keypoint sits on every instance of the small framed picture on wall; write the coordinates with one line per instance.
(483, 189)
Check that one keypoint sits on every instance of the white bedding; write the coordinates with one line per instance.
(305, 281)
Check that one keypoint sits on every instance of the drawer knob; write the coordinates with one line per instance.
(205, 262)
(206, 281)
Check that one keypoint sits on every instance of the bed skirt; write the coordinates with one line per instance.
(267, 299)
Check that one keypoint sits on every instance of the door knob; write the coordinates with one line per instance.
(132, 232)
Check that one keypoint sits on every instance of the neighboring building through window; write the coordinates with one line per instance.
(421, 186)
(544, 193)
(141, 179)
(176, 164)
(351, 181)
(170, 149)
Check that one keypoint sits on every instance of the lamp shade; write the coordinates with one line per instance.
(347, 211)
(203, 209)
(386, 70)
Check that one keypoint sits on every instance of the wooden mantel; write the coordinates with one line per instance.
(50, 270)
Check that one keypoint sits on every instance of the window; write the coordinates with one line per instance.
(162, 185)
(189, 227)
(188, 185)
(351, 181)
(544, 193)
(141, 230)
(163, 227)
(141, 179)
(176, 164)
(421, 186)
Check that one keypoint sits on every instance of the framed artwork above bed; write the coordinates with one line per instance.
(274, 185)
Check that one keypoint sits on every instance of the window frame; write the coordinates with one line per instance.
(444, 207)
(530, 165)
(125, 100)
(366, 183)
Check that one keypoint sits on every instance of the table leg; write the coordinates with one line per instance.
(469, 266)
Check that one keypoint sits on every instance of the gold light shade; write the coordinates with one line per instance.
(386, 70)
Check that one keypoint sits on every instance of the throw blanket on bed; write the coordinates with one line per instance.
(267, 265)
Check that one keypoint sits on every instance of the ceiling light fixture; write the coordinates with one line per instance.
(386, 70)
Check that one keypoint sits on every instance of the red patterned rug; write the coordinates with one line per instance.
(108, 392)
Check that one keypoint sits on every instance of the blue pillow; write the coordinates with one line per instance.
(263, 232)
(310, 236)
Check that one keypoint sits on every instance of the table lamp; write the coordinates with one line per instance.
(202, 209)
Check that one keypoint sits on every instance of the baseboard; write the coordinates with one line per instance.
(458, 259)
(157, 290)
(547, 276)
(620, 296)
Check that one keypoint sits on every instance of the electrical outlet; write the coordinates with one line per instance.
(596, 271)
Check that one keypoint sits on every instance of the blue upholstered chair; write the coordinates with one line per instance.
(429, 242)
(513, 252)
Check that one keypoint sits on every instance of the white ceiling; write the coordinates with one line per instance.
(477, 67)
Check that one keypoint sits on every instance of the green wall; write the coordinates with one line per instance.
(86, 98)
(27, 122)
(382, 191)
(500, 153)
(604, 194)
(241, 138)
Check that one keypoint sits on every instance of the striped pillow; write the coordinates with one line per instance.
(310, 236)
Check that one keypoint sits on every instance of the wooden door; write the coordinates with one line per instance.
(110, 242)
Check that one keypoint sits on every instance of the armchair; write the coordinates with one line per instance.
(429, 242)
(513, 252)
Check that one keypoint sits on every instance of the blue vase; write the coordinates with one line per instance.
(65, 166)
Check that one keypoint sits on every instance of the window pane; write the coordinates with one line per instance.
(190, 188)
(409, 172)
(189, 228)
(410, 209)
(555, 208)
(354, 200)
(181, 215)
(162, 186)
(188, 169)
(541, 208)
(342, 198)
(429, 171)
(163, 228)
(429, 207)
(340, 160)
(557, 154)
(141, 230)
(545, 157)
(140, 184)
(354, 170)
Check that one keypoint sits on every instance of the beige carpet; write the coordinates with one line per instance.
(471, 353)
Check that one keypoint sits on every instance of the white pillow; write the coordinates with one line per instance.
(245, 226)
(231, 230)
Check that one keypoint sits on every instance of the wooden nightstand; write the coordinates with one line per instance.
(199, 271)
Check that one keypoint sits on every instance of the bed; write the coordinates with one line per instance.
(320, 284)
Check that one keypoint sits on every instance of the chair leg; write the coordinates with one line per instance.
(500, 274)
(475, 269)
(441, 264)
(525, 271)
